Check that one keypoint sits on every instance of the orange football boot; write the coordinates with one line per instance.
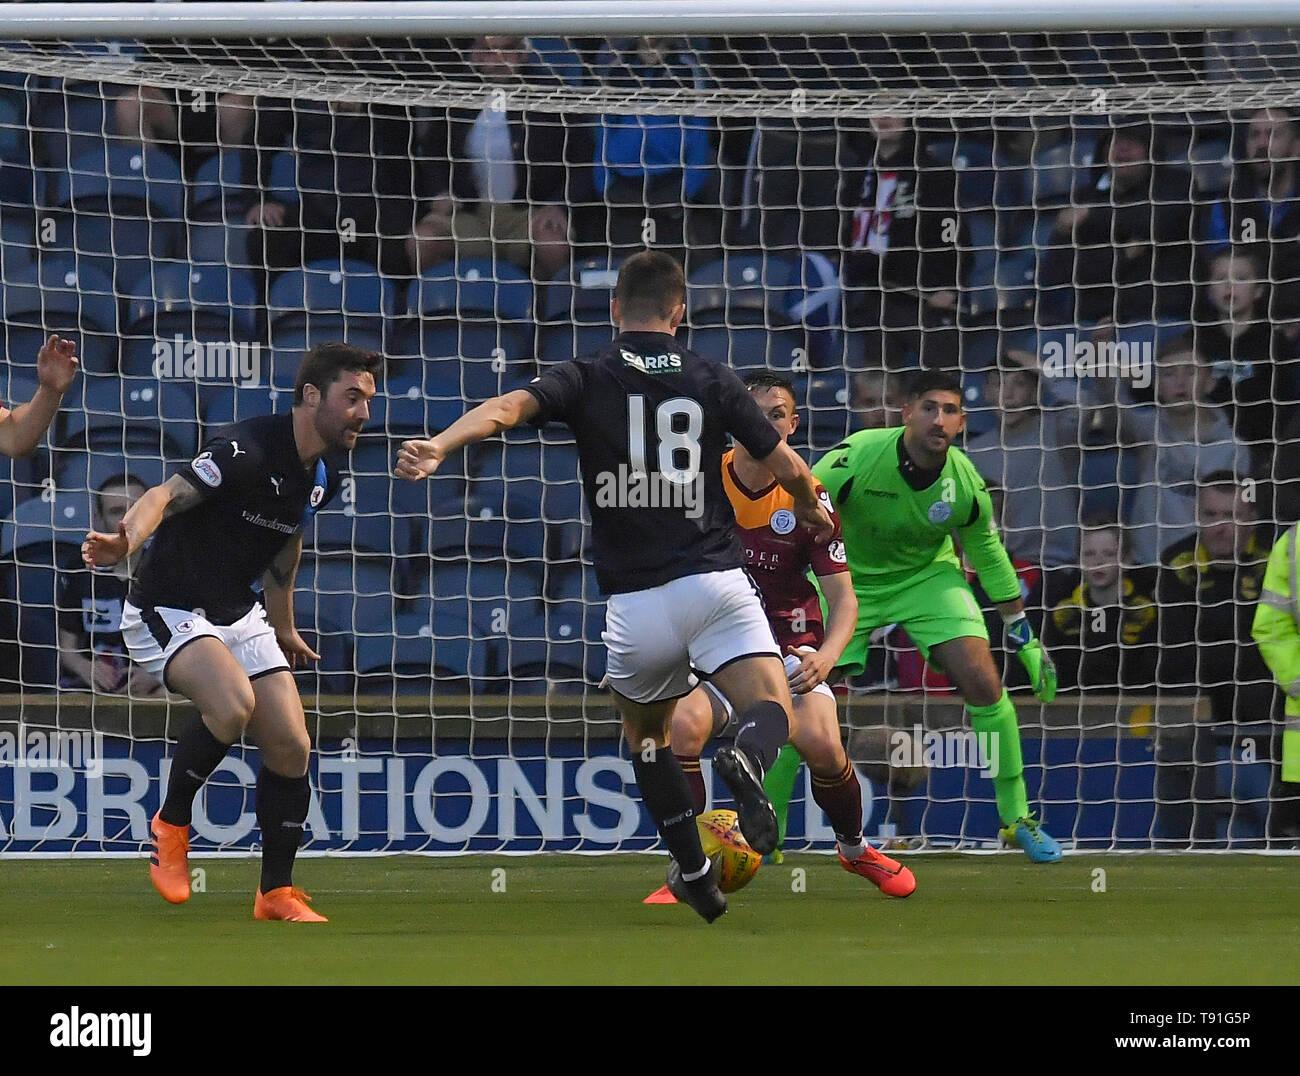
(169, 866)
(286, 903)
(887, 875)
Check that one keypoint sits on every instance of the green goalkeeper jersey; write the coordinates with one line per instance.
(893, 529)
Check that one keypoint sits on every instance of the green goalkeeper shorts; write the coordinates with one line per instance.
(932, 606)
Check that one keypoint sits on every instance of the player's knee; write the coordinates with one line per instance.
(984, 688)
(821, 747)
(239, 705)
(290, 756)
(691, 727)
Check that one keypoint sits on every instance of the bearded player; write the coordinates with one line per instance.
(779, 555)
(229, 520)
(903, 494)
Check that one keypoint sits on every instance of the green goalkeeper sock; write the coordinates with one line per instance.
(778, 783)
(999, 737)
(1290, 757)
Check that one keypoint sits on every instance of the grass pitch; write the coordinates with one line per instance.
(580, 920)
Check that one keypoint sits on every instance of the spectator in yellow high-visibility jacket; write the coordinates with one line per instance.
(1277, 631)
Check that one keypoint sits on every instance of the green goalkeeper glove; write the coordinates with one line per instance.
(1042, 673)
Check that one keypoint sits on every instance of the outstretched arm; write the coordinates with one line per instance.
(174, 496)
(794, 476)
(22, 428)
(421, 458)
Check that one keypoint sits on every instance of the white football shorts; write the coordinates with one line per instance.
(791, 664)
(655, 637)
(154, 637)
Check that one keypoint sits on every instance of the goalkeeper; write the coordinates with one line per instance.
(902, 494)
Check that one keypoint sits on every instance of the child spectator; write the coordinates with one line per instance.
(1103, 636)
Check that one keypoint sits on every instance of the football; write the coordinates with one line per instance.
(732, 857)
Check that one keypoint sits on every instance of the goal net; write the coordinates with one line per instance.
(1093, 225)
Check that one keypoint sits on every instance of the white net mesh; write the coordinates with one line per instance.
(1096, 231)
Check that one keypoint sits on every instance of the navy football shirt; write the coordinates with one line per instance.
(651, 421)
(256, 494)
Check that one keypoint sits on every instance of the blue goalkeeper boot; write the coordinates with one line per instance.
(1035, 841)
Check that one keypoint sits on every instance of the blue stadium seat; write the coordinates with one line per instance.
(823, 407)
(322, 611)
(31, 590)
(472, 322)
(530, 663)
(285, 186)
(489, 585)
(1057, 169)
(220, 190)
(323, 302)
(570, 624)
(224, 404)
(575, 318)
(71, 118)
(738, 312)
(220, 196)
(57, 294)
(334, 585)
(141, 415)
(361, 518)
(556, 57)
(423, 397)
(42, 530)
(39, 536)
(79, 473)
(122, 208)
(208, 302)
(423, 650)
(971, 158)
(561, 478)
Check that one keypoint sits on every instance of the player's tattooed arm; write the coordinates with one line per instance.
(277, 597)
(280, 575)
(174, 496)
(181, 496)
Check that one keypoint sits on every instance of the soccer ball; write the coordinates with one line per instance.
(733, 859)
